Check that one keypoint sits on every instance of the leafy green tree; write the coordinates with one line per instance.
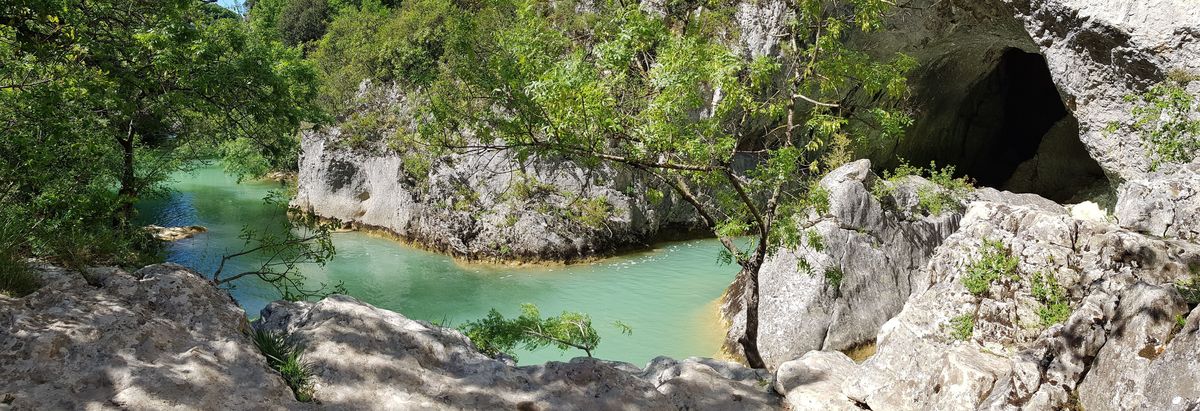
(495, 335)
(108, 93)
(740, 140)
(302, 21)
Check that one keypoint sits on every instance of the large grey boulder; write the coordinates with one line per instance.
(814, 381)
(1164, 203)
(1119, 289)
(161, 338)
(854, 271)
(368, 358)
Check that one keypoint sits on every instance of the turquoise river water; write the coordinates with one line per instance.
(666, 294)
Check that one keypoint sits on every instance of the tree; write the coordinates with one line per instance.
(302, 21)
(495, 335)
(740, 140)
(107, 93)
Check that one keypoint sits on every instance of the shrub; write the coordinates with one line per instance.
(285, 357)
(962, 327)
(1055, 306)
(834, 276)
(16, 279)
(995, 262)
(495, 335)
(593, 212)
(1164, 116)
(947, 196)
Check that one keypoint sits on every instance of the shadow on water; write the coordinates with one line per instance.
(663, 293)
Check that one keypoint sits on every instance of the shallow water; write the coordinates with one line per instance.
(664, 294)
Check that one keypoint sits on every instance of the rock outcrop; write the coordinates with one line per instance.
(1022, 94)
(159, 338)
(1120, 323)
(482, 206)
(855, 270)
(368, 358)
(1165, 203)
(164, 337)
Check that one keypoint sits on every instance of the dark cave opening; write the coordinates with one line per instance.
(1011, 131)
(1024, 104)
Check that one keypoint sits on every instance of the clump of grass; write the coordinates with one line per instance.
(962, 327)
(16, 278)
(284, 356)
(1055, 306)
(995, 262)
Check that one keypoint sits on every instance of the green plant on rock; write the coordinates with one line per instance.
(1165, 118)
(947, 194)
(995, 262)
(962, 327)
(495, 335)
(593, 212)
(286, 358)
(834, 276)
(1055, 306)
(1189, 288)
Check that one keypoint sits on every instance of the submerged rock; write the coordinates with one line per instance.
(364, 357)
(160, 338)
(173, 233)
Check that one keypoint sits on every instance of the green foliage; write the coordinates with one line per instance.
(593, 212)
(1189, 288)
(400, 45)
(948, 194)
(834, 276)
(285, 357)
(16, 278)
(495, 335)
(995, 262)
(88, 107)
(1165, 118)
(1055, 308)
(276, 254)
(302, 21)
(962, 327)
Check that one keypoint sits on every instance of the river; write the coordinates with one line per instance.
(666, 294)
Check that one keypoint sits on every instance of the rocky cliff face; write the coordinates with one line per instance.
(486, 206)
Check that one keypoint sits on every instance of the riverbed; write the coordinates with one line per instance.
(665, 294)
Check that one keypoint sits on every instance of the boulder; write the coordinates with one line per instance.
(364, 357)
(874, 249)
(814, 381)
(1164, 203)
(1117, 286)
(160, 338)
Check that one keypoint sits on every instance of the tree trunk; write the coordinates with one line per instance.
(127, 194)
(749, 339)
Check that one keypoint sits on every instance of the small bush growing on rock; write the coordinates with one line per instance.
(1190, 289)
(285, 357)
(495, 335)
(995, 262)
(1164, 116)
(593, 212)
(1055, 306)
(834, 276)
(962, 327)
(947, 196)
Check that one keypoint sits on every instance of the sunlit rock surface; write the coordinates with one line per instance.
(160, 338)
(368, 358)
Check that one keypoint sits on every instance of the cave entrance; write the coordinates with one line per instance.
(1015, 134)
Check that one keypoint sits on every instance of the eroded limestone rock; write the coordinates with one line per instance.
(368, 358)
(160, 338)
